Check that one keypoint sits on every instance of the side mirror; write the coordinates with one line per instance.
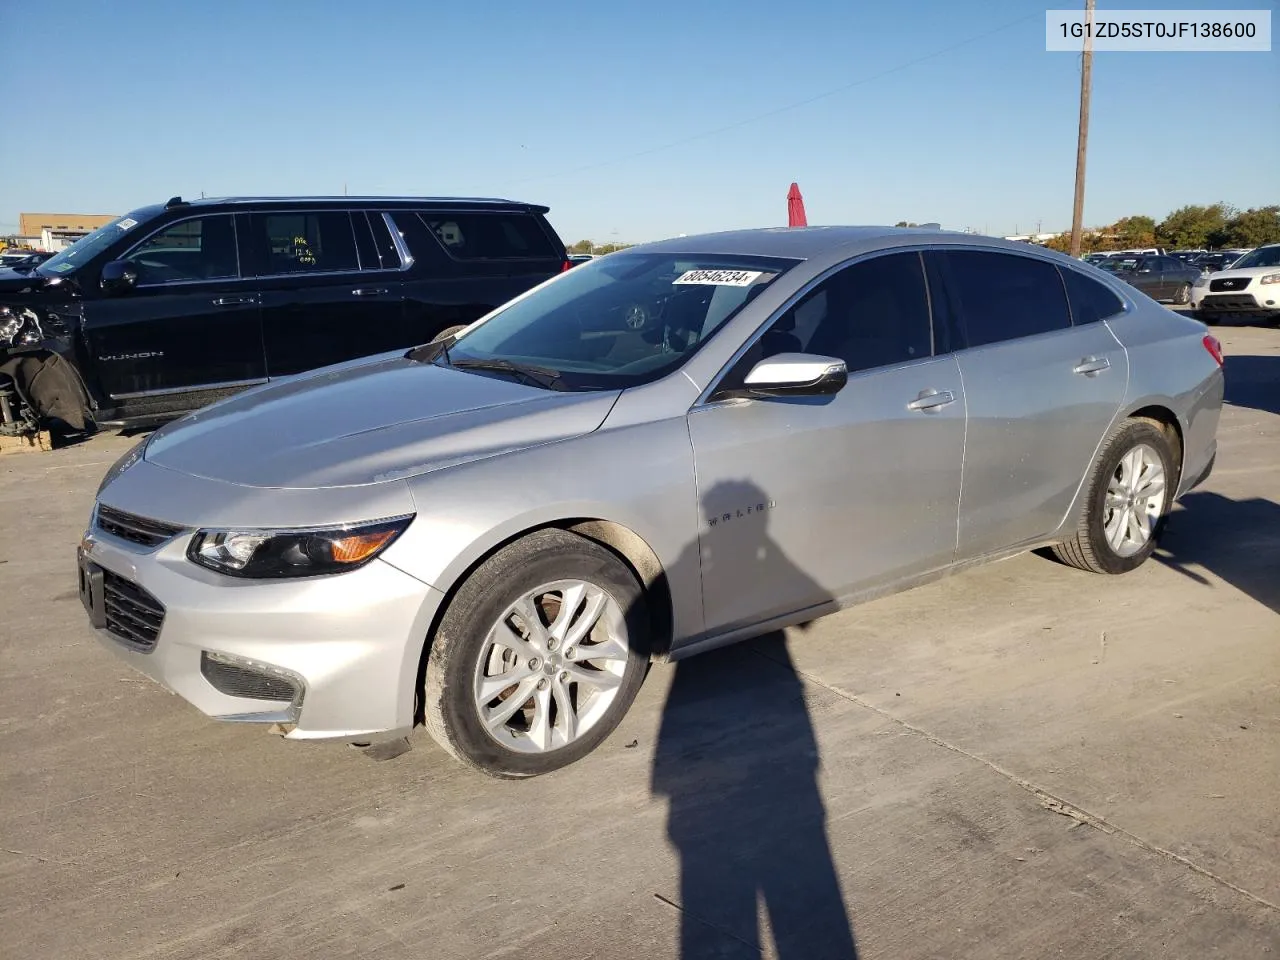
(796, 375)
(119, 276)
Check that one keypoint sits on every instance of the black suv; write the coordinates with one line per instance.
(177, 305)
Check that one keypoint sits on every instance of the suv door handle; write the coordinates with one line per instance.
(233, 301)
(368, 291)
(1091, 366)
(931, 401)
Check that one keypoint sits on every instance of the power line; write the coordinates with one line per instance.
(780, 110)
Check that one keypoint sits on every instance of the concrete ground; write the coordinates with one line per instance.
(1021, 761)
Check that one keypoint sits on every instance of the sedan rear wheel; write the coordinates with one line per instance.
(1129, 493)
(538, 656)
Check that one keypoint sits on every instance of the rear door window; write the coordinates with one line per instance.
(491, 236)
(1090, 300)
(304, 242)
(995, 297)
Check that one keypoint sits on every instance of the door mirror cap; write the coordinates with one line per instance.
(796, 375)
(119, 276)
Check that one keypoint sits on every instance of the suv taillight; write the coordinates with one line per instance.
(1214, 347)
(566, 265)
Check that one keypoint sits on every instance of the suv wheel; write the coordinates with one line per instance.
(538, 656)
(1129, 494)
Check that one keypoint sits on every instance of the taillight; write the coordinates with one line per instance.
(1214, 347)
(564, 267)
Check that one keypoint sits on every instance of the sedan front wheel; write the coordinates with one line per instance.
(538, 656)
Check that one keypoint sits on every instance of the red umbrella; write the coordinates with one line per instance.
(795, 208)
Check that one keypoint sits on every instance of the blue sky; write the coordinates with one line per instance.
(613, 114)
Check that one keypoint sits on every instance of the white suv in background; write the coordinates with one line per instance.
(1250, 288)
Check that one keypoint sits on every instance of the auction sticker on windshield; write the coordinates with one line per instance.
(719, 278)
(128, 223)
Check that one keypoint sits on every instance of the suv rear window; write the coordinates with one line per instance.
(491, 236)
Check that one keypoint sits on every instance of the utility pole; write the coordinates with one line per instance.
(1086, 84)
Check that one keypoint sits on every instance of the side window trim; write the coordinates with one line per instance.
(713, 385)
(397, 238)
(235, 232)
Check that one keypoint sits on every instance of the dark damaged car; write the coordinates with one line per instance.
(180, 304)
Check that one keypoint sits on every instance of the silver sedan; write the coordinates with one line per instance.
(661, 451)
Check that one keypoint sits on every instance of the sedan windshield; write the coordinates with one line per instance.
(1262, 257)
(617, 321)
(84, 249)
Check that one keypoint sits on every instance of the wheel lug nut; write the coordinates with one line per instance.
(552, 643)
(534, 663)
(564, 676)
(542, 684)
(570, 653)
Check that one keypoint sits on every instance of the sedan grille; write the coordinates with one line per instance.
(133, 614)
(1220, 284)
(135, 529)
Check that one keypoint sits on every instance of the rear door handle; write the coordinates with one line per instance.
(1091, 366)
(931, 401)
(368, 291)
(233, 301)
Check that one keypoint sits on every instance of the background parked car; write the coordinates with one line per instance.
(1218, 260)
(22, 260)
(1250, 287)
(1161, 278)
(176, 305)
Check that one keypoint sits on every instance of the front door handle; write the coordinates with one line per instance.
(931, 401)
(1091, 366)
(233, 301)
(368, 291)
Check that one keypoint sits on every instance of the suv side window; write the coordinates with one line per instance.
(872, 314)
(302, 242)
(490, 236)
(1001, 296)
(202, 248)
(1090, 301)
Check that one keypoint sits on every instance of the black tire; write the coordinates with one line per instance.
(1183, 296)
(1088, 548)
(545, 556)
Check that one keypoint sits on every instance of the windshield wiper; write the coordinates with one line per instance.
(538, 376)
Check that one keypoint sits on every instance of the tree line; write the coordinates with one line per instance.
(1193, 227)
(588, 246)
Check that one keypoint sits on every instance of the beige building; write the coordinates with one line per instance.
(59, 230)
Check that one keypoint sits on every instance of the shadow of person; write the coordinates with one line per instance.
(1253, 381)
(1237, 540)
(738, 761)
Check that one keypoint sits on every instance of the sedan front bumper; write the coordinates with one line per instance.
(337, 655)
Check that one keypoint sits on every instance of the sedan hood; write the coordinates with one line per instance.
(370, 422)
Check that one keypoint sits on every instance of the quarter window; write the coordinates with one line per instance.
(305, 242)
(1090, 300)
(1001, 296)
(203, 248)
(490, 236)
(872, 314)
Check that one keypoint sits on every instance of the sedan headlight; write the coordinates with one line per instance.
(274, 554)
(1270, 278)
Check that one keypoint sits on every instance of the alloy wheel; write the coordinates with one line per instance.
(1135, 500)
(551, 666)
